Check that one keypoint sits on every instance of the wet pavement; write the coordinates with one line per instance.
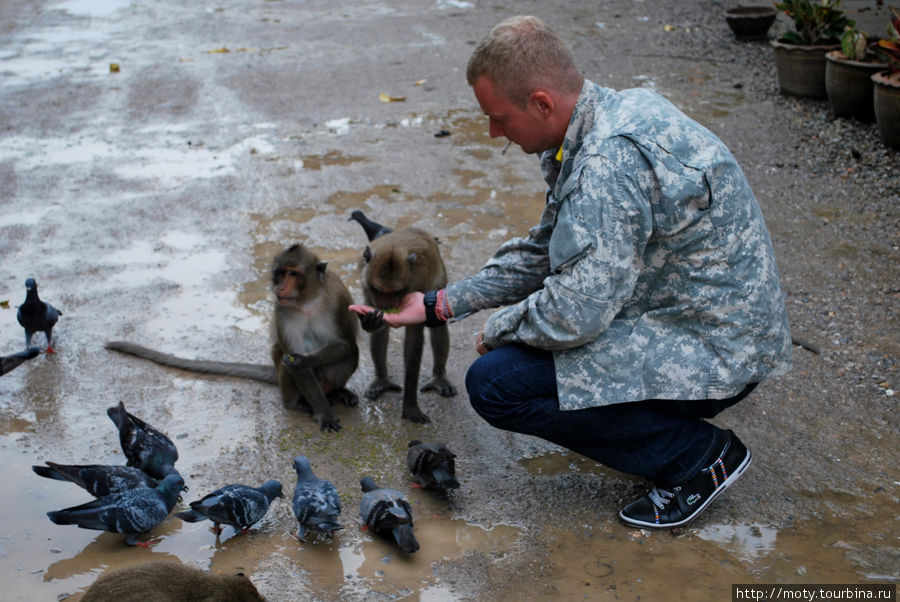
(148, 200)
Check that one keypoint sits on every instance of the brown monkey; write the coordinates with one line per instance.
(314, 350)
(396, 263)
(171, 581)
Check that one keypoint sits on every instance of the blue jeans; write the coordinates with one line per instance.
(514, 388)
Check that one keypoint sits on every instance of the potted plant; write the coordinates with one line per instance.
(848, 76)
(887, 83)
(800, 53)
(750, 22)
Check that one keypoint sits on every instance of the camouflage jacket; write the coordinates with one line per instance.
(651, 274)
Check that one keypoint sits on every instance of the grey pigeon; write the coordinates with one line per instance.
(129, 512)
(316, 502)
(14, 360)
(36, 315)
(373, 229)
(145, 447)
(432, 465)
(237, 505)
(98, 479)
(385, 509)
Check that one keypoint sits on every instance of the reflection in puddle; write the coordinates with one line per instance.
(747, 542)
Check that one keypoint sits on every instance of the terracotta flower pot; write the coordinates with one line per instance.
(887, 107)
(849, 85)
(750, 22)
(801, 69)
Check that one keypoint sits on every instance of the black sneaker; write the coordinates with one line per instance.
(676, 506)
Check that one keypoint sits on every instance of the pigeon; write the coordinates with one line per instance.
(37, 316)
(14, 360)
(382, 509)
(432, 465)
(316, 502)
(98, 479)
(144, 446)
(237, 505)
(130, 512)
(373, 229)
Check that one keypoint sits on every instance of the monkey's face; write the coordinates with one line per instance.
(287, 282)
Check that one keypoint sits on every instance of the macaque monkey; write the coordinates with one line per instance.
(314, 348)
(166, 580)
(396, 263)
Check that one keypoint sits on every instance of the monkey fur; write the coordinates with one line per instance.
(314, 349)
(397, 262)
(171, 582)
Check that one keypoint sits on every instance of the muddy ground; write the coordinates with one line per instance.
(148, 203)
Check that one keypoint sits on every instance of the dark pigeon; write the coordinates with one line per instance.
(432, 465)
(385, 509)
(237, 505)
(373, 229)
(145, 447)
(98, 479)
(14, 360)
(129, 512)
(316, 502)
(37, 316)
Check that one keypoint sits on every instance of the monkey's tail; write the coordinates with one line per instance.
(258, 372)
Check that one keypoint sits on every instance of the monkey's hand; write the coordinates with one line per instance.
(296, 360)
(372, 320)
(411, 310)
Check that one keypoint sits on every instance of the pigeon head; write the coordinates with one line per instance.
(272, 489)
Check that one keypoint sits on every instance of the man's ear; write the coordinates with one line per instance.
(543, 102)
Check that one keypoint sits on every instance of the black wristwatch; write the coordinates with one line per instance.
(431, 319)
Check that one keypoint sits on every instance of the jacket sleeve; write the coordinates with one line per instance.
(595, 255)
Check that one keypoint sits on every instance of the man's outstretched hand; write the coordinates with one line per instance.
(410, 311)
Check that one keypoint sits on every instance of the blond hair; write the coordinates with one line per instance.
(522, 54)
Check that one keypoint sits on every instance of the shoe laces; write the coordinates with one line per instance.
(661, 497)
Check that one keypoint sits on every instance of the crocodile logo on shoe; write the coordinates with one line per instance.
(693, 499)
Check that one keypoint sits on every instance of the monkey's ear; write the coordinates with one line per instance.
(411, 258)
(320, 269)
(367, 254)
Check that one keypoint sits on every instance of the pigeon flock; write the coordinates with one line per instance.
(134, 498)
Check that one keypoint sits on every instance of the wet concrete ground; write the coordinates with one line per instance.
(149, 202)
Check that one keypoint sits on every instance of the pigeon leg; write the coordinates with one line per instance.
(216, 529)
(132, 541)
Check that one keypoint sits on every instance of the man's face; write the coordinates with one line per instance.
(526, 127)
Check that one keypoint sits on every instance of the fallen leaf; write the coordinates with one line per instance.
(114, 67)
(221, 50)
(387, 98)
(669, 28)
(4, 304)
(421, 82)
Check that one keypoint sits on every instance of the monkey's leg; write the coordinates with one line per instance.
(335, 363)
(311, 391)
(378, 342)
(440, 349)
(413, 343)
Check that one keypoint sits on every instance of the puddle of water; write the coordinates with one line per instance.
(608, 560)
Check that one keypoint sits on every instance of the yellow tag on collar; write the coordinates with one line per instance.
(559, 154)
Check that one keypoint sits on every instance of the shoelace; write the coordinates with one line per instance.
(661, 497)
